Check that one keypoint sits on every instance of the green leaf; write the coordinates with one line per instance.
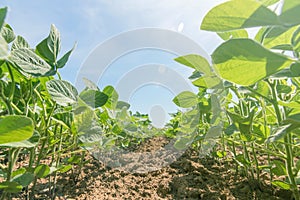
(186, 99)
(279, 38)
(3, 12)
(11, 187)
(260, 35)
(296, 40)
(196, 62)
(83, 119)
(93, 98)
(285, 89)
(209, 81)
(62, 92)
(65, 168)
(3, 48)
(281, 184)
(30, 63)
(279, 169)
(50, 46)
(279, 133)
(238, 14)
(244, 61)
(42, 171)
(230, 129)
(53, 41)
(14, 128)
(8, 33)
(263, 88)
(233, 34)
(24, 179)
(293, 104)
(20, 43)
(113, 96)
(31, 142)
(196, 74)
(240, 159)
(63, 60)
(289, 13)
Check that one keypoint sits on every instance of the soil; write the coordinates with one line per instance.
(188, 177)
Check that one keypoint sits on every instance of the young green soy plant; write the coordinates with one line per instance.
(263, 110)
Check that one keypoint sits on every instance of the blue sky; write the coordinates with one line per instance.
(91, 22)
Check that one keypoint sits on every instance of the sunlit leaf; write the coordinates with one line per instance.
(30, 63)
(15, 128)
(233, 34)
(42, 171)
(8, 33)
(62, 92)
(50, 46)
(29, 143)
(113, 96)
(186, 99)
(244, 62)
(93, 98)
(290, 12)
(238, 14)
(19, 43)
(281, 184)
(196, 62)
(279, 38)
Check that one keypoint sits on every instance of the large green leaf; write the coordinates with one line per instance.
(186, 99)
(83, 119)
(244, 61)
(290, 13)
(50, 46)
(93, 98)
(14, 128)
(238, 14)
(209, 81)
(196, 62)
(24, 179)
(19, 43)
(3, 12)
(30, 63)
(279, 38)
(29, 143)
(113, 96)
(62, 92)
(8, 33)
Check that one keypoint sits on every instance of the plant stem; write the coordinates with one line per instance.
(287, 145)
